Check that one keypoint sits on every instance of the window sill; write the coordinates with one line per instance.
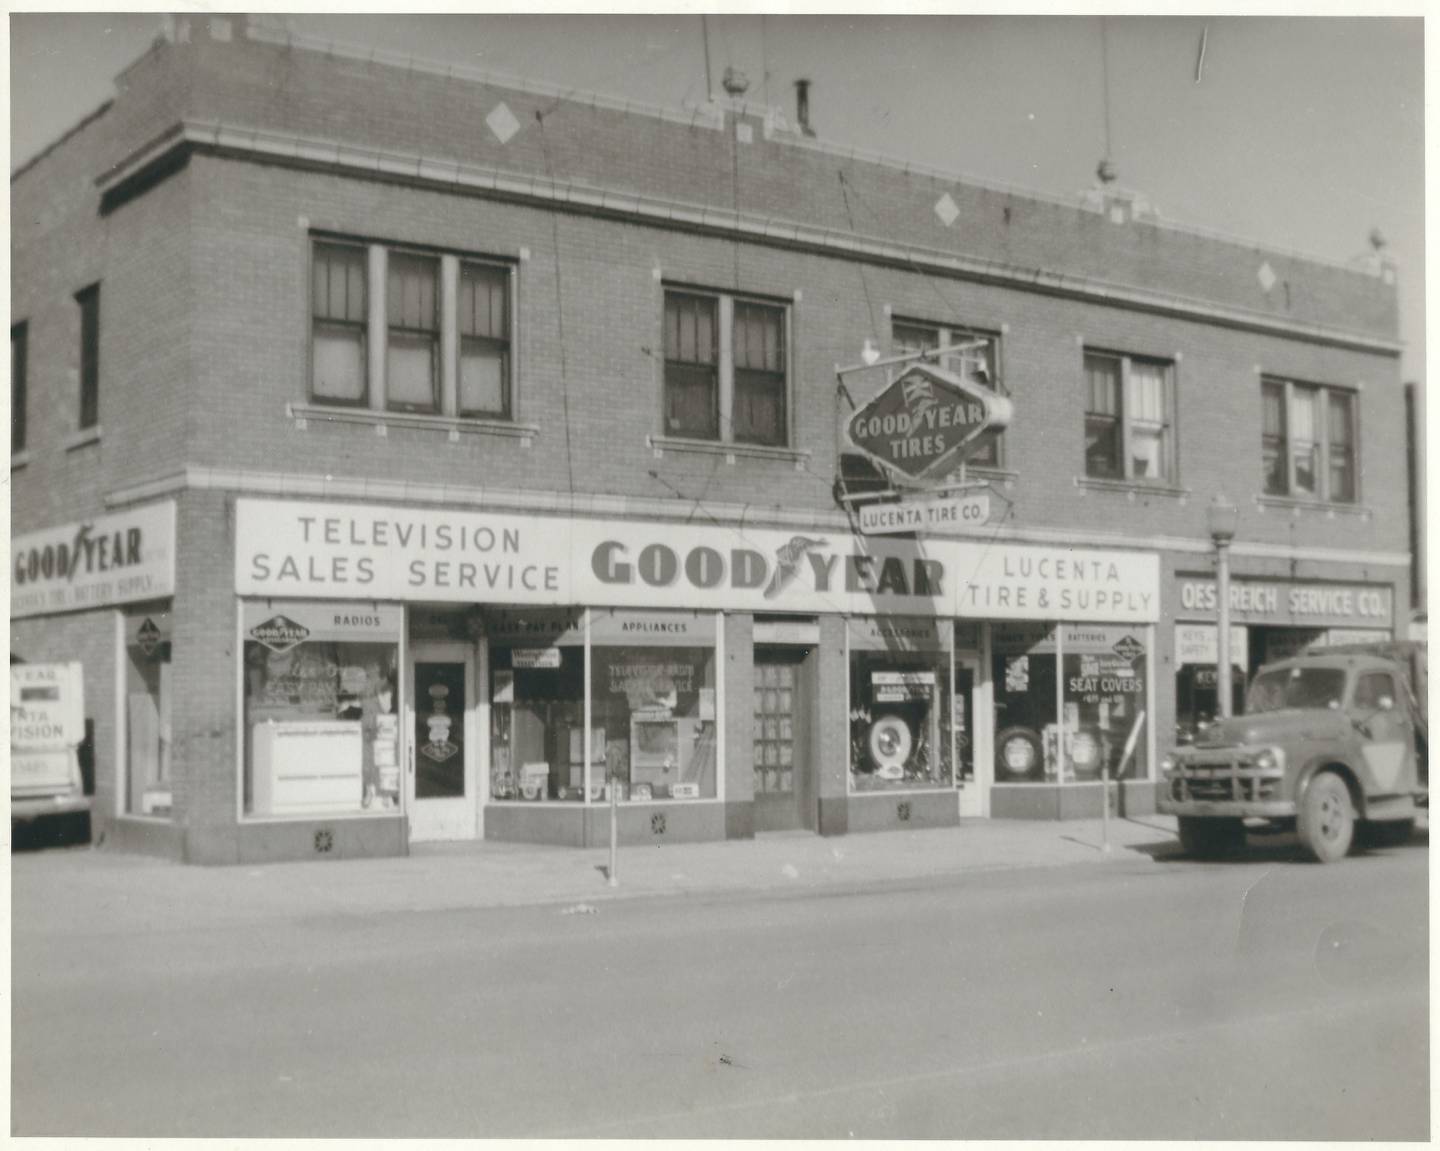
(1320, 507)
(454, 426)
(1132, 488)
(19, 460)
(83, 438)
(731, 451)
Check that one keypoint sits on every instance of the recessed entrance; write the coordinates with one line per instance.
(785, 793)
(442, 743)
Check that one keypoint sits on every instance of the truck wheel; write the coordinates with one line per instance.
(1389, 833)
(1327, 821)
(1210, 838)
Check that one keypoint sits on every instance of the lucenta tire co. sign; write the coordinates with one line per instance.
(922, 422)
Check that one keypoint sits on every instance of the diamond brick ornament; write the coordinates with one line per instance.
(947, 211)
(502, 122)
(1266, 276)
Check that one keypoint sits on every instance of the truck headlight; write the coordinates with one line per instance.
(1167, 764)
(1271, 760)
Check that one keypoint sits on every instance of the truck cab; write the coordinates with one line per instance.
(1331, 742)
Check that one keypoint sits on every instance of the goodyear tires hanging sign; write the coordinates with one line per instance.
(921, 424)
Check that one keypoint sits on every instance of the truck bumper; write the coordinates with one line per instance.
(38, 807)
(1243, 809)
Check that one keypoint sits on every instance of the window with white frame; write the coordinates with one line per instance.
(976, 358)
(1307, 441)
(1128, 418)
(441, 325)
(726, 369)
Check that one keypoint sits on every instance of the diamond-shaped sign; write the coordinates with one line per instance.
(1128, 648)
(921, 424)
(280, 633)
(148, 636)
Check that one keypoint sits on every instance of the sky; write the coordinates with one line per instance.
(1296, 133)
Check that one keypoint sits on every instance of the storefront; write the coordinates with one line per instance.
(492, 675)
(1271, 619)
(100, 592)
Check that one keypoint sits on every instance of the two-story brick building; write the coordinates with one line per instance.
(405, 453)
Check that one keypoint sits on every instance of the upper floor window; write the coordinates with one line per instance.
(1128, 417)
(413, 335)
(339, 316)
(742, 397)
(89, 301)
(19, 340)
(1307, 441)
(484, 340)
(976, 357)
(428, 303)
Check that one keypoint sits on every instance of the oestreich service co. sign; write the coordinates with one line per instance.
(348, 551)
(111, 559)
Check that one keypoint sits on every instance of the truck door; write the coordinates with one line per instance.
(1386, 732)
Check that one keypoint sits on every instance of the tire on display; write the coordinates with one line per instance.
(1019, 754)
(1386, 833)
(1208, 838)
(1327, 819)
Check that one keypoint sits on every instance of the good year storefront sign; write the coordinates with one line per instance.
(340, 551)
(1285, 604)
(110, 559)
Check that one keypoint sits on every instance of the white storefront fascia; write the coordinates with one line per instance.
(123, 557)
(306, 549)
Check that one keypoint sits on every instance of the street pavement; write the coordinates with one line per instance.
(990, 981)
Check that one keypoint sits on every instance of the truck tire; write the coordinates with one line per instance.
(1326, 821)
(1386, 833)
(1210, 838)
(1019, 754)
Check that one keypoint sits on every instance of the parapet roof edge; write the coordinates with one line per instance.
(711, 115)
(78, 126)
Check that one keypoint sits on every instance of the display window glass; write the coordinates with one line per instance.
(1103, 718)
(900, 701)
(321, 713)
(149, 689)
(653, 704)
(537, 706)
(1197, 680)
(1023, 673)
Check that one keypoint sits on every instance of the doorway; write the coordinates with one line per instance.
(785, 792)
(964, 719)
(440, 718)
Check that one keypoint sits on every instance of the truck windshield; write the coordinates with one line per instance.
(1308, 688)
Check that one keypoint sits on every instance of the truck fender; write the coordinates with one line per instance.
(1341, 768)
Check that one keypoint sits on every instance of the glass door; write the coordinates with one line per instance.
(784, 783)
(440, 720)
(964, 727)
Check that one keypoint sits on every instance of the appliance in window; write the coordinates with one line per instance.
(662, 751)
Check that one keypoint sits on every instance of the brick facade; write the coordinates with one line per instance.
(202, 252)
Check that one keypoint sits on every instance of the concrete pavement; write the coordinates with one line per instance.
(88, 889)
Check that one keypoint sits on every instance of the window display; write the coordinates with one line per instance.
(537, 707)
(321, 726)
(1023, 673)
(653, 704)
(1104, 696)
(148, 692)
(900, 699)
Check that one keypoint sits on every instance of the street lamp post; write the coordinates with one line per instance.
(1221, 517)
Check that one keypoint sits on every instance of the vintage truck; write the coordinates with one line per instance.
(1333, 745)
(47, 738)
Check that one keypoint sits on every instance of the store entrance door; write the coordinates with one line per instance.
(964, 714)
(441, 742)
(785, 791)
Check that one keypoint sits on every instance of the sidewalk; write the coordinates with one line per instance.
(96, 890)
